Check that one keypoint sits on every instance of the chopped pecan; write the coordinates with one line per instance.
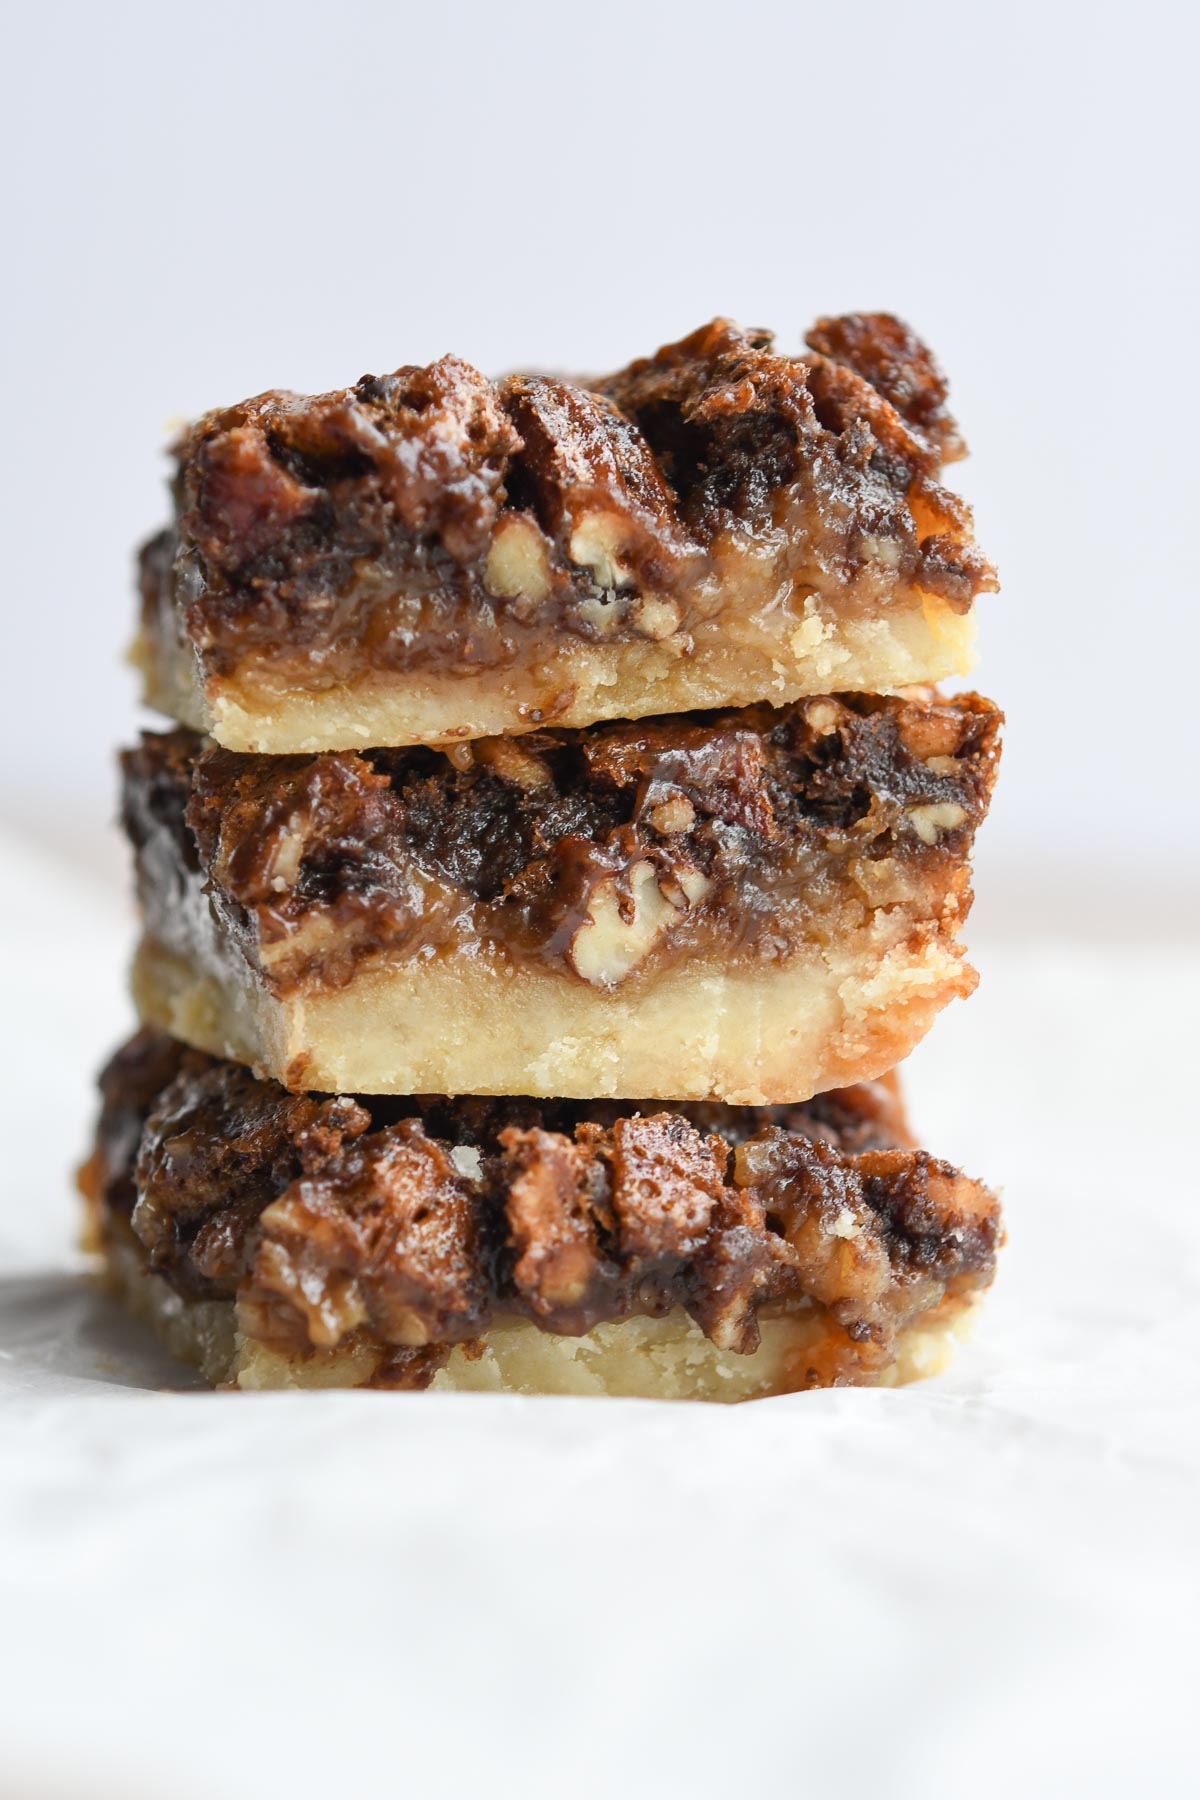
(406, 1225)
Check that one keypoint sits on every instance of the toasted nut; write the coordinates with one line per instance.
(933, 731)
(517, 565)
(332, 1309)
(597, 543)
(672, 816)
(929, 821)
(468, 1161)
(822, 717)
(513, 762)
(885, 551)
(607, 946)
(287, 846)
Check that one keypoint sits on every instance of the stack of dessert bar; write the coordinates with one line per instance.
(554, 855)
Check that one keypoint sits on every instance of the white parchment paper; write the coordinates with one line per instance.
(985, 1585)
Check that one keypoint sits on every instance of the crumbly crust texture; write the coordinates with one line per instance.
(389, 1234)
(572, 544)
(693, 1031)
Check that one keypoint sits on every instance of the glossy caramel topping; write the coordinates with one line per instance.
(432, 517)
(631, 836)
(411, 1222)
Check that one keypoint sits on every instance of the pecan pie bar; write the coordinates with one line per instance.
(279, 1240)
(431, 557)
(752, 906)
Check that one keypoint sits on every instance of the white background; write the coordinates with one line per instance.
(210, 200)
(981, 1586)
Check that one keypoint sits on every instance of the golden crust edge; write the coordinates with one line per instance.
(807, 1026)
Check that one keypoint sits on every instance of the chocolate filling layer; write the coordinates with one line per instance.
(411, 1223)
(752, 830)
(434, 519)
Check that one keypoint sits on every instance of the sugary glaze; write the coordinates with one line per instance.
(314, 1239)
(430, 556)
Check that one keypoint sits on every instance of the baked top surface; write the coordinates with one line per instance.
(554, 842)
(432, 517)
(411, 1223)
